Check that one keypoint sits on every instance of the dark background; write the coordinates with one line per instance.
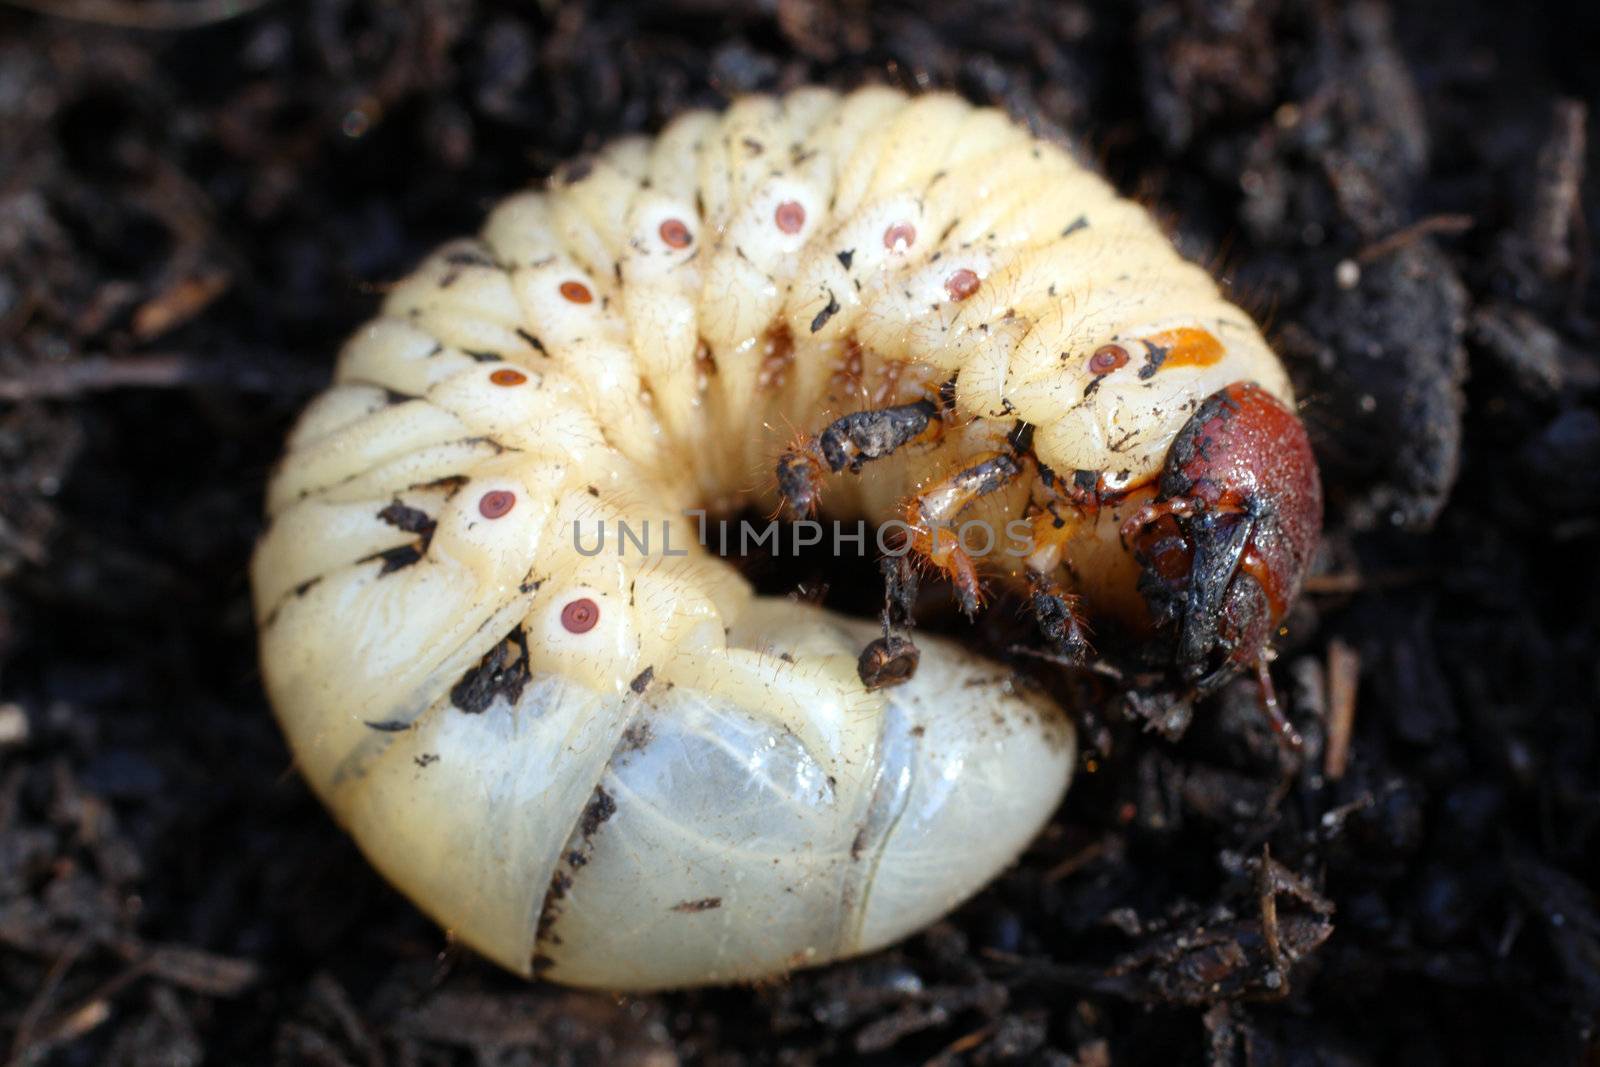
(192, 220)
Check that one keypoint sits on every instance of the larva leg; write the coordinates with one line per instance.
(931, 514)
(850, 442)
(1057, 522)
(1056, 611)
(893, 658)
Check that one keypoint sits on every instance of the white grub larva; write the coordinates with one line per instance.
(630, 772)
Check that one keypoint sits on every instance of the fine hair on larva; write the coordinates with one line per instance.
(629, 771)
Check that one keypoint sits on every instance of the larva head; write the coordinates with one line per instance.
(1226, 544)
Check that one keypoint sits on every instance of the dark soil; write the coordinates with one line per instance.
(191, 220)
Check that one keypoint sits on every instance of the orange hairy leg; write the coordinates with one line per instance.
(930, 516)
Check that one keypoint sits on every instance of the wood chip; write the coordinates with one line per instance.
(1344, 676)
(202, 972)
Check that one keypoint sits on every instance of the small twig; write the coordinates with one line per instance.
(332, 996)
(177, 303)
(1267, 894)
(1344, 676)
(1333, 820)
(1555, 207)
(1093, 666)
(92, 1011)
(1334, 584)
(143, 14)
(194, 969)
(1344, 582)
(100, 373)
(1076, 862)
(1449, 224)
(22, 1040)
(961, 1045)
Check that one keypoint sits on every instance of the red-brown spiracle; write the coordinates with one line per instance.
(576, 292)
(497, 503)
(675, 233)
(899, 237)
(1107, 358)
(580, 616)
(790, 217)
(508, 377)
(961, 284)
(1226, 544)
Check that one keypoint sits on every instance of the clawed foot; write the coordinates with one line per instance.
(892, 658)
(1056, 612)
(850, 442)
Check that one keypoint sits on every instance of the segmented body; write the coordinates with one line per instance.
(537, 744)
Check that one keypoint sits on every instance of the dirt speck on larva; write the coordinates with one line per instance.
(601, 808)
(642, 680)
(690, 907)
(502, 673)
(636, 737)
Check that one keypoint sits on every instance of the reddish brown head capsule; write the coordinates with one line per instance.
(580, 616)
(1226, 544)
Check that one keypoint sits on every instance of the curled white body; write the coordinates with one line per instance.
(625, 770)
